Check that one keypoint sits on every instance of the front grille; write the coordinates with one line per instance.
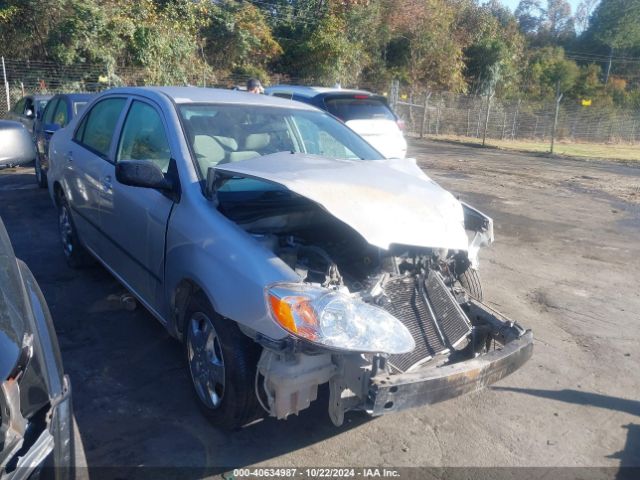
(429, 312)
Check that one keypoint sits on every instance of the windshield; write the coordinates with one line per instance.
(230, 133)
(357, 108)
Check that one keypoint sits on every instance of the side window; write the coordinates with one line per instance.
(318, 141)
(144, 137)
(19, 107)
(60, 117)
(286, 95)
(96, 130)
(47, 118)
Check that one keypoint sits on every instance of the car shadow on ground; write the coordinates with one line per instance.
(630, 456)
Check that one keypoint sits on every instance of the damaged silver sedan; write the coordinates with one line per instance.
(283, 250)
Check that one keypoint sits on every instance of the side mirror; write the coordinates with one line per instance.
(29, 113)
(142, 173)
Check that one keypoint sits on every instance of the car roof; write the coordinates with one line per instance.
(186, 95)
(77, 97)
(316, 91)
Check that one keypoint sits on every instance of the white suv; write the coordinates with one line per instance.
(365, 113)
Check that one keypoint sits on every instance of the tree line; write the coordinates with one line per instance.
(462, 46)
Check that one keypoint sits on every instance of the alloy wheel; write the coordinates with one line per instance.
(206, 363)
(66, 230)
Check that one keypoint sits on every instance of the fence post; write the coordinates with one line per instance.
(468, 119)
(425, 112)
(515, 118)
(555, 117)
(6, 85)
(504, 124)
(395, 91)
(411, 119)
(486, 119)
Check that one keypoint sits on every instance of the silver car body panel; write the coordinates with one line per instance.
(386, 201)
(16, 145)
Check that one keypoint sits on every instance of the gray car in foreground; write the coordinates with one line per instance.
(283, 250)
(36, 418)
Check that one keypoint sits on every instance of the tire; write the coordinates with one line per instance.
(222, 364)
(41, 177)
(75, 254)
(470, 281)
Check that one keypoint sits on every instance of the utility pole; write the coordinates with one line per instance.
(6, 85)
(606, 78)
(555, 118)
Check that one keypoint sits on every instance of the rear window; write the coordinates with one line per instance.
(354, 108)
(96, 129)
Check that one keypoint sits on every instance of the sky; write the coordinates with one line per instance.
(512, 4)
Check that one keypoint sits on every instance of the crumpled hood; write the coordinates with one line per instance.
(386, 201)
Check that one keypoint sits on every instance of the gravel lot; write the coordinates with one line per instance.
(565, 264)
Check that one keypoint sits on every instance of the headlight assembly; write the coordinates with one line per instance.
(336, 320)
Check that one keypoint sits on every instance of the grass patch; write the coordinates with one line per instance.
(580, 150)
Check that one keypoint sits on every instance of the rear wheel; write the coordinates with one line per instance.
(470, 281)
(222, 363)
(75, 254)
(41, 176)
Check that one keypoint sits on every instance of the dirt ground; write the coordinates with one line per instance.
(565, 264)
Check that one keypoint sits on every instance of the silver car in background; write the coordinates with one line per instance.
(28, 109)
(16, 144)
(283, 250)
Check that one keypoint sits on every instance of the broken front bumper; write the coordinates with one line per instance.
(391, 393)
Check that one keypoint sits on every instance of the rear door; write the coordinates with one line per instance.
(135, 219)
(88, 156)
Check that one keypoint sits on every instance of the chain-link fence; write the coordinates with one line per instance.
(425, 113)
(442, 113)
(22, 77)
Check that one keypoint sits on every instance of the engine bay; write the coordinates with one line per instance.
(419, 286)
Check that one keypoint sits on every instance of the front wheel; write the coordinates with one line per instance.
(470, 281)
(222, 363)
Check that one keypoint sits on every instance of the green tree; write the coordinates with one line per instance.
(550, 71)
(616, 23)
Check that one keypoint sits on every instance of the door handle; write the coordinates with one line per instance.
(106, 183)
(69, 156)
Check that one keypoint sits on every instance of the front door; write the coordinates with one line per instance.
(135, 219)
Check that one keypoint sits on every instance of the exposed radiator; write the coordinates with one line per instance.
(430, 312)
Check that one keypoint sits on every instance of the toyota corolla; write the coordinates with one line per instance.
(283, 250)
